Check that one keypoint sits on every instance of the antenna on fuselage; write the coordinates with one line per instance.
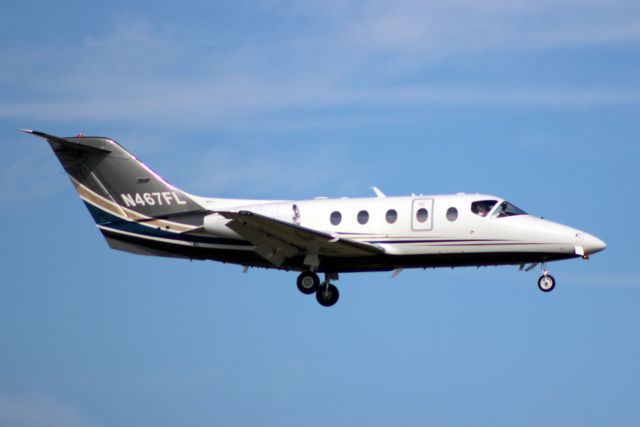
(379, 194)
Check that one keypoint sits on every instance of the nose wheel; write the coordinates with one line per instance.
(546, 282)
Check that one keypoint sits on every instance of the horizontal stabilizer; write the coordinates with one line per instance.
(75, 145)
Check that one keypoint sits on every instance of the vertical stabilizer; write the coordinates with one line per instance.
(116, 186)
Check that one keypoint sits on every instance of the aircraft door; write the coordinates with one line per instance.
(422, 215)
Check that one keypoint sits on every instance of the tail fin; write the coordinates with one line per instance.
(116, 186)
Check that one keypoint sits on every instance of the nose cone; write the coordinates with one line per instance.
(592, 244)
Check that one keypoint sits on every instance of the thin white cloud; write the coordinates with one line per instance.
(137, 71)
(452, 27)
(40, 410)
(231, 105)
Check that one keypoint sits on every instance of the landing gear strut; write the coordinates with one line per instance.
(546, 282)
(327, 294)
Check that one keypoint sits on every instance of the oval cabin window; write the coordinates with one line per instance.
(452, 214)
(363, 217)
(335, 218)
(392, 216)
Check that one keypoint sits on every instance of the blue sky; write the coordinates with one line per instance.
(535, 101)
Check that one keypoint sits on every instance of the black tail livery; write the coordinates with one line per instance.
(124, 195)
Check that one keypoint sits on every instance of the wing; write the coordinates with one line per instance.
(276, 240)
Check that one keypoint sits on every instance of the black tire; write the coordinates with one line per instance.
(546, 283)
(327, 295)
(308, 282)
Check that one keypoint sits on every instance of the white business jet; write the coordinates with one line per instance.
(139, 212)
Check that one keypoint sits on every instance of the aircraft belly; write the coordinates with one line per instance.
(462, 247)
(246, 256)
(391, 262)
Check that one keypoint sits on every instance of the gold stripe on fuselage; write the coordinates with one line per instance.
(126, 214)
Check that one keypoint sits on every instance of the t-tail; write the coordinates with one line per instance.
(124, 196)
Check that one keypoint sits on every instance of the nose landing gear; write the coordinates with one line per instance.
(327, 294)
(546, 282)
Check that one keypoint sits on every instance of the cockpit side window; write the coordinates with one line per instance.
(482, 207)
(507, 209)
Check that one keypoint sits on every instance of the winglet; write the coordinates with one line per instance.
(379, 194)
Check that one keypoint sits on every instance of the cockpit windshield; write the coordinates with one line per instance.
(482, 207)
(507, 209)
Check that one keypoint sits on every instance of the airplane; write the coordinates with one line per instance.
(137, 211)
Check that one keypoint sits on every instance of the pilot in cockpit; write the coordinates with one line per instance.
(503, 210)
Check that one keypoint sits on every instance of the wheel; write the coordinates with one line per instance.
(308, 282)
(327, 295)
(546, 283)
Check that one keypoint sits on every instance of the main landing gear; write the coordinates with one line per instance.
(327, 294)
(308, 282)
(546, 282)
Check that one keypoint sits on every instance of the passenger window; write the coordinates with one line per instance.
(392, 216)
(452, 214)
(482, 207)
(422, 215)
(335, 218)
(363, 217)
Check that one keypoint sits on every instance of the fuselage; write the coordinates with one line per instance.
(420, 231)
